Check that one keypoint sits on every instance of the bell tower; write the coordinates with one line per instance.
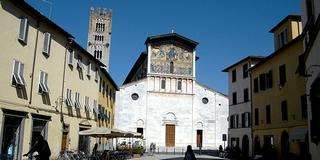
(99, 34)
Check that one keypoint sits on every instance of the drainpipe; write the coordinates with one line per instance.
(34, 62)
(69, 42)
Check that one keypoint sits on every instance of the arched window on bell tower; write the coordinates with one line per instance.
(171, 67)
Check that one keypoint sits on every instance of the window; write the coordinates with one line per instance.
(79, 64)
(69, 98)
(23, 31)
(17, 74)
(163, 84)
(70, 57)
(86, 103)
(283, 38)
(179, 84)
(234, 75)
(77, 100)
(237, 121)
(234, 121)
(47, 43)
(284, 110)
(269, 80)
(43, 83)
(268, 114)
(256, 116)
(245, 71)
(262, 78)
(135, 96)
(234, 98)
(205, 100)
(246, 95)
(231, 121)
(282, 74)
(304, 109)
(104, 88)
(256, 85)
(94, 107)
(96, 74)
(100, 85)
(171, 67)
(245, 119)
(89, 69)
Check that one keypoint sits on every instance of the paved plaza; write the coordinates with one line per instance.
(174, 157)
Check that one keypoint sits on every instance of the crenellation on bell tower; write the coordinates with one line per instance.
(99, 34)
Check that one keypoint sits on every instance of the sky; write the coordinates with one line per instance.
(227, 30)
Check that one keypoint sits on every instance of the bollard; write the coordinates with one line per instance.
(182, 151)
(158, 150)
(174, 151)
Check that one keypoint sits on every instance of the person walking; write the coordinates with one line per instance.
(41, 146)
(189, 154)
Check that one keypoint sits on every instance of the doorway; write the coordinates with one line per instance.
(245, 145)
(170, 135)
(284, 144)
(140, 130)
(11, 142)
(39, 127)
(199, 138)
(84, 142)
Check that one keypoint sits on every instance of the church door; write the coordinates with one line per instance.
(170, 135)
(199, 138)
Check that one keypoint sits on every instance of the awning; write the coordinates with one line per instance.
(96, 132)
(298, 134)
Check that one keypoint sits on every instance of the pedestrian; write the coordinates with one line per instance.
(95, 149)
(189, 154)
(41, 146)
(220, 151)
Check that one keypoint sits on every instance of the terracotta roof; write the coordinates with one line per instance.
(251, 57)
(279, 51)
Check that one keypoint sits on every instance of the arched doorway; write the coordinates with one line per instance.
(257, 147)
(245, 145)
(284, 144)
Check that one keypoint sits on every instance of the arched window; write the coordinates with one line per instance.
(95, 54)
(171, 67)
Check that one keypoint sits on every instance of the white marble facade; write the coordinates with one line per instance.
(185, 107)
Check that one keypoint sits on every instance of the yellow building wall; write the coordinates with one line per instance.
(291, 91)
(11, 49)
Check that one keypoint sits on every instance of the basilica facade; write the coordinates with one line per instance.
(161, 99)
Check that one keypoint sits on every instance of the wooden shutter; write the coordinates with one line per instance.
(170, 135)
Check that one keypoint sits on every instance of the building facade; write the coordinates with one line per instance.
(239, 132)
(161, 99)
(279, 103)
(99, 35)
(50, 84)
(311, 67)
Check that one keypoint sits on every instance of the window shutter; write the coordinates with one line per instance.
(96, 75)
(23, 30)
(46, 81)
(21, 73)
(89, 69)
(70, 57)
(47, 42)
